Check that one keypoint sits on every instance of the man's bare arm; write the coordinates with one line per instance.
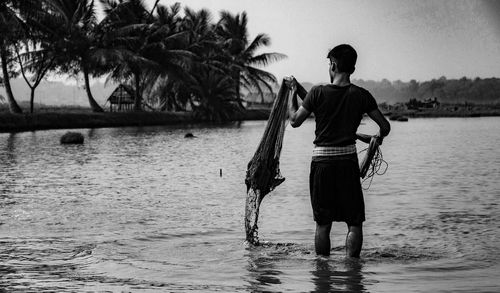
(297, 114)
(383, 124)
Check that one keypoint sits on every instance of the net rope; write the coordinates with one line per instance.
(378, 166)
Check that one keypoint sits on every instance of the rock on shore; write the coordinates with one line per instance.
(72, 138)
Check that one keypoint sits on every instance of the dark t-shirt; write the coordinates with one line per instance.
(338, 111)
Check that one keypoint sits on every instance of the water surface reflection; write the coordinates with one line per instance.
(332, 276)
(143, 208)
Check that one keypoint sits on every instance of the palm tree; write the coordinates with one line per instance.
(233, 32)
(204, 72)
(10, 27)
(38, 62)
(126, 24)
(69, 27)
(151, 46)
(33, 55)
(160, 87)
(214, 94)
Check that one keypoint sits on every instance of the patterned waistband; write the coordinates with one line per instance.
(322, 151)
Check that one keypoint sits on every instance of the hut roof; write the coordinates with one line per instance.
(122, 95)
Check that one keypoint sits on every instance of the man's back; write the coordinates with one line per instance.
(338, 111)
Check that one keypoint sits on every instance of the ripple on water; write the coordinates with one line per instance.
(278, 250)
(387, 254)
(400, 254)
(46, 260)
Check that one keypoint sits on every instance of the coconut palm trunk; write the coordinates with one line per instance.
(32, 100)
(138, 98)
(13, 106)
(236, 78)
(39, 73)
(93, 104)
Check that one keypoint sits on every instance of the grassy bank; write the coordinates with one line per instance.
(86, 119)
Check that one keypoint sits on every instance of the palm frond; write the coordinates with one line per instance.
(261, 74)
(259, 41)
(266, 58)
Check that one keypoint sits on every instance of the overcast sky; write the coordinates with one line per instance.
(395, 39)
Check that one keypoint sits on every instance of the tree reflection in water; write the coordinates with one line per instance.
(9, 174)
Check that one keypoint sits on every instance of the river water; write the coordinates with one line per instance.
(145, 209)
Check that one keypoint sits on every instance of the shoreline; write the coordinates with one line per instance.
(86, 119)
(440, 113)
(75, 120)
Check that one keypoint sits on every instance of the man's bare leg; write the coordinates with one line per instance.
(322, 239)
(354, 240)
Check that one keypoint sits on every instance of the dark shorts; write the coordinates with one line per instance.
(336, 193)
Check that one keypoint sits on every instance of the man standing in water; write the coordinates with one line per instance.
(334, 181)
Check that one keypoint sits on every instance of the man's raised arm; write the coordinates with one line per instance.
(297, 114)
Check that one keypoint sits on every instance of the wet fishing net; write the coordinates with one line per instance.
(263, 172)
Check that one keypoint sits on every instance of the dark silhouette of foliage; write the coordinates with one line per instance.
(171, 60)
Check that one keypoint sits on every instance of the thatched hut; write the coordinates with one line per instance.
(122, 99)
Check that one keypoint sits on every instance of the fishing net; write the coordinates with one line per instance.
(373, 162)
(263, 172)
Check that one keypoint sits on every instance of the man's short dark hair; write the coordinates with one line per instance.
(346, 56)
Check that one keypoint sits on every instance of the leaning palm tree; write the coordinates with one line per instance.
(35, 56)
(68, 26)
(233, 33)
(11, 26)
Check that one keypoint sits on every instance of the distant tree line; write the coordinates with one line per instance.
(172, 56)
(480, 91)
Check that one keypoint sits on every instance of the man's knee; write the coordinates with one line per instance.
(357, 229)
(323, 229)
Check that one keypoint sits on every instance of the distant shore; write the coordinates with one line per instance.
(437, 113)
(83, 119)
